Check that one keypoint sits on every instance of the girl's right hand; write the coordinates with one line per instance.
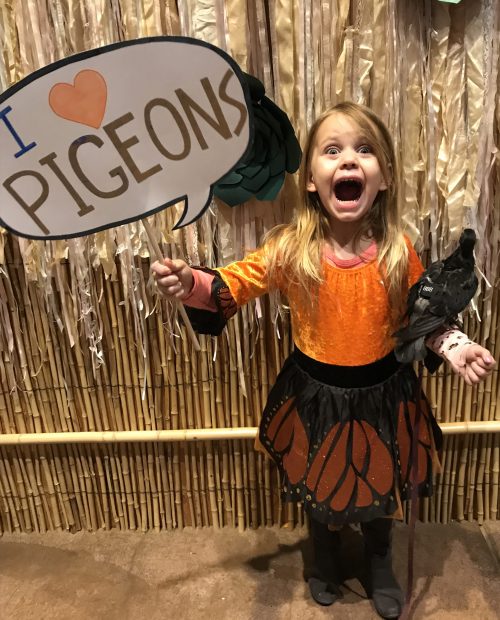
(174, 278)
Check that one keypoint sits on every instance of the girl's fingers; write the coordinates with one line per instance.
(170, 286)
(181, 293)
(467, 374)
(175, 265)
(482, 355)
(470, 377)
(160, 270)
(170, 280)
(478, 369)
(474, 377)
(488, 359)
(476, 365)
(168, 266)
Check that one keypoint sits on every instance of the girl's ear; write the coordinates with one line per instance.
(386, 184)
(310, 185)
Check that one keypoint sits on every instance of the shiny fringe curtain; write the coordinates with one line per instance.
(87, 345)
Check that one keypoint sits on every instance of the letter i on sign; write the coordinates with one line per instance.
(24, 147)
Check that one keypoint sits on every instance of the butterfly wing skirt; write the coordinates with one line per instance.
(342, 437)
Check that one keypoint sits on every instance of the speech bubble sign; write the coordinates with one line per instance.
(114, 134)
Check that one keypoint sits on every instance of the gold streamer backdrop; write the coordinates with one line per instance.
(87, 345)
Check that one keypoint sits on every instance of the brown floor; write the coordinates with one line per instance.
(216, 575)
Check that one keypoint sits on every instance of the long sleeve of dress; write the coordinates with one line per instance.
(231, 287)
(246, 279)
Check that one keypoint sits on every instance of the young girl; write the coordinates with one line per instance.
(339, 420)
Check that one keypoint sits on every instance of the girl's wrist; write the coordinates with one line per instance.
(200, 294)
(451, 345)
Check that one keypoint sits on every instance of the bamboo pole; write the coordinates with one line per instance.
(82, 511)
(197, 434)
(124, 469)
(495, 478)
(186, 419)
(115, 481)
(166, 494)
(75, 399)
(174, 460)
(469, 502)
(124, 377)
(31, 488)
(218, 481)
(203, 481)
(211, 481)
(8, 495)
(453, 470)
(22, 500)
(105, 500)
(114, 370)
(44, 511)
(480, 484)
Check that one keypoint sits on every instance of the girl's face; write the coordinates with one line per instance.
(344, 170)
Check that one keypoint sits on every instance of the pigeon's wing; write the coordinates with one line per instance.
(427, 278)
(423, 326)
(467, 292)
(412, 297)
(433, 273)
(455, 294)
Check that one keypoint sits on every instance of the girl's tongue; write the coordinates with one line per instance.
(348, 191)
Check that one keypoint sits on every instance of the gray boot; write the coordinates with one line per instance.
(385, 591)
(324, 582)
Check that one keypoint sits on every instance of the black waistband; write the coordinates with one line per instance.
(348, 376)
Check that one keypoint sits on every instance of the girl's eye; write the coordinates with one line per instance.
(365, 149)
(332, 150)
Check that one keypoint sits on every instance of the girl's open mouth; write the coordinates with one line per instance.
(348, 190)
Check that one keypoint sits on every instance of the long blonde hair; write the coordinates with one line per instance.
(296, 248)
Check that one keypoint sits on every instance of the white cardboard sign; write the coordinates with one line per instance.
(114, 134)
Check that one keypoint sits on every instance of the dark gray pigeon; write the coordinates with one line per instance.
(443, 291)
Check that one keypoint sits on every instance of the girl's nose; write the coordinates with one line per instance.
(349, 160)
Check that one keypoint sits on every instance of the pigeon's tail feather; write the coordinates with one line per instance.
(412, 351)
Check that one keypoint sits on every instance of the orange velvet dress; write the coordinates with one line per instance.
(351, 325)
(339, 420)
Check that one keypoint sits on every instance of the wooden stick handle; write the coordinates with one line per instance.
(159, 256)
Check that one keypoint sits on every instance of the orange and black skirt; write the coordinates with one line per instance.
(342, 437)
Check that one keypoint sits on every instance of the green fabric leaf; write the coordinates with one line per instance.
(248, 172)
(293, 154)
(271, 189)
(231, 178)
(278, 163)
(259, 180)
(275, 150)
(233, 195)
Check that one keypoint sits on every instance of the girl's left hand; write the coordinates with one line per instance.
(475, 363)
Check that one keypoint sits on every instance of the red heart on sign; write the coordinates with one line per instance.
(84, 101)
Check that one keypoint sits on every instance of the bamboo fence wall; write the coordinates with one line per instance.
(87, 345)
